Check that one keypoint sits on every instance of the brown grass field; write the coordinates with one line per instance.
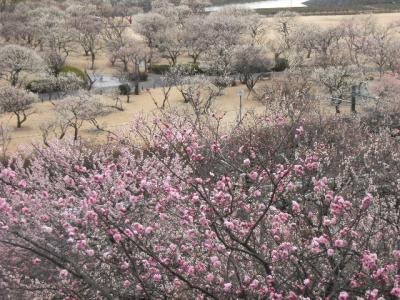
(385, 18)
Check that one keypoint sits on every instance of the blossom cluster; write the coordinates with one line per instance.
(261, 212)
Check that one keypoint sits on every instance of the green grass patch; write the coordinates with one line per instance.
(162, 69)
(78, 72)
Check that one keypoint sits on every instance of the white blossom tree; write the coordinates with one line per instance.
(380, 46)
(327, 46)
(356, 34)
(195, 37)
(59, 43)
(15, 25)
(61, 84)
(114, 32)
(338, 81)
(251, 63)
(226, 29)
(74, 111)
(18, 102)
(85, 20)
(131, 54)
(199, 91)
(256, 27)
(150, 26)
(196, 6)
(283, 28)
(15, 60)
(170, 43)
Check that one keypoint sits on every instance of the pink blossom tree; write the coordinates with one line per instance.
(277, 208)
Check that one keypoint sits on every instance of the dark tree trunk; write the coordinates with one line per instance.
(76, 133)
(93, 58)
(137, 91)
(20, 119)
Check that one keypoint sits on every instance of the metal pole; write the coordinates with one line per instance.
(353, 99)
(240, 109)
(240, 94)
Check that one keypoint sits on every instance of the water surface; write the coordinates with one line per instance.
(265, 4)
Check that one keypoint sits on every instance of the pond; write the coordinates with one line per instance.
(265, 4)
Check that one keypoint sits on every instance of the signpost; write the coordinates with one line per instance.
(240, 94)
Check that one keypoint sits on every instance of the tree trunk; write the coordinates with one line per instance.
(14, 79)
(353, 99)
(93, 58)
(112, 61)
(19, 119)
(137, 78)
(137, 91)
(76, 132)
(276, 57)
(19, 123)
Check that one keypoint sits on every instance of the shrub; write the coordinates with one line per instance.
(191, 68)
(40, 86)
(65, 82)
(224, 82)
(125, 89)
(369, 78)
(281, 64)
(196, 68)
(143, 76)
(78, 72)
(160, 69)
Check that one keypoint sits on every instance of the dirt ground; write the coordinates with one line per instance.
(115, 121)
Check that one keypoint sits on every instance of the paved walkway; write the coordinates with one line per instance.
(107, 83)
